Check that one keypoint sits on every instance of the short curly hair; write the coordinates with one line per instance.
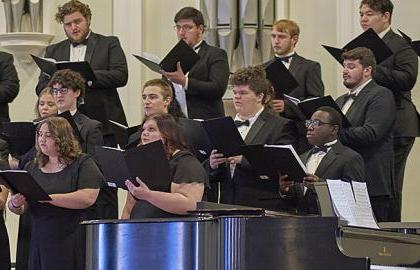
(72, 7)
(255, 78)
(68, 78)
(68, 146)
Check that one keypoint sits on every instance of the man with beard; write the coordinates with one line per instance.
(370, 109)
(107, 59)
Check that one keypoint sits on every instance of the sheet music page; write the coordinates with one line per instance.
(181, 97)
(343, 200)
(363, 211)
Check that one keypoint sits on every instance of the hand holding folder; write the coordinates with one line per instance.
(181, 52)
(147, 162)
(271, 161)
(223, 136)
(22, 182)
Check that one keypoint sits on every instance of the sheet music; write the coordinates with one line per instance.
(181, 97)
(343, 200)
(363, 213)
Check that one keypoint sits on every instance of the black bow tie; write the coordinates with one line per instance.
(75, 43)
(239, 123)
(285, 59)
(351, 95)
(318, 149)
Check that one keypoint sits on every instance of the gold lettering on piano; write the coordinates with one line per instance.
(385, 252)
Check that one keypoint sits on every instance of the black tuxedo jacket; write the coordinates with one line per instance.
(340, 162)
(372, 116)
(9, 85)
(90, 130)
(246, 188)
(207, 83)
(399, 74)
(107, 59)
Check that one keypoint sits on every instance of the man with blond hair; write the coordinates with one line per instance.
(284, 37)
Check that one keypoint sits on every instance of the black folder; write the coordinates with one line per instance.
(311, 105)
(414, 44)
(49, 66)
(122, 134)
(223, 136)
(281, 78)
(147, 162)
(181, 52)
(368, 39)
(196, 138)
(19, 135)
(22, 182)
(270, 161)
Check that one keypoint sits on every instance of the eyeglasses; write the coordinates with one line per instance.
(62, 90)
(185, 27)
(315, 123)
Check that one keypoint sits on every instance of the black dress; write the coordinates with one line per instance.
(185, 168)
(4, 245)
(57, 239)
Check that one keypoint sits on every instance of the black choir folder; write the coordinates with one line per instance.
(181, 52)
(20, 136)
(368, 39)
(223, 136)
(414, 44)
(147, 162)
(50, 66)
(308, 106)
(270, 161)
(22, 182)
(281, 78)
(196, 137)
(122, 133)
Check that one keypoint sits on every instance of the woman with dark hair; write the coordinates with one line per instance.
(188, 175)
(72, 180)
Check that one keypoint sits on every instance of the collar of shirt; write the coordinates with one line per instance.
(72, 112)
(252, 119)
(197, 46)
(357, 90)
(287, 55)
(383, 33)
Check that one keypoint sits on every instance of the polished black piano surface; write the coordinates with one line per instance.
(221, 241)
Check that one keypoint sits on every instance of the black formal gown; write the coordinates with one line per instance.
(57, 238)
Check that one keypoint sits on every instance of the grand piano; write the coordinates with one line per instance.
(240, 238)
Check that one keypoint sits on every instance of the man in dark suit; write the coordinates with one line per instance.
(206, 83)
(399, 74)
(257, 125)
(370, 109)
(284, 37)
(9, 85)
(328, 159)
(105, 56)
(9, 89)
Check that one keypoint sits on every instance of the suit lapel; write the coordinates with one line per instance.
(202, 52)
(328, 159)
(91, 44)
(295, 64)
(255, 129)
